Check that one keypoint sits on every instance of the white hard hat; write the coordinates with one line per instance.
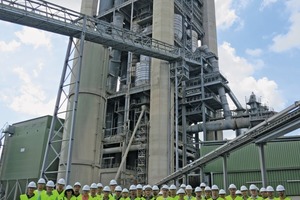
(222, 191)
(99, 185)
(244, 188)
(119, 189)
(172, 187)
(50, 184)
(214, 187)
(198, 189)
(188, 187)
(180, 191)
(113, 182)
(125, 190)
(202, 185)
(262, 189)
(207, 188)
(238, 192)
(61, 181)
(148, 187)
(77, 184)
(86, 188)
(183, 185)
(280, 188)
(144, 187)
(69, 187)
(139, 187)
(165, 187)
(41, 181)
(252, 187)
(232, 186)
(132, 187)
(93, 186)
(31, 185)
(106, 189)
(270, 189)
(155, 187)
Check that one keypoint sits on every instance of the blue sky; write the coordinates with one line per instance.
(259, 51)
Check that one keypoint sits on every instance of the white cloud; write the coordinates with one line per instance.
(291, 39)
(9, 46)
(225, 15)
(239, 73)
(73, 5)
(266, 3)
(29, 98)
(254, 52)
(35, 37)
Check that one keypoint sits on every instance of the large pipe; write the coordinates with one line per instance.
(119, 149)
(229, 124)
(130, 142)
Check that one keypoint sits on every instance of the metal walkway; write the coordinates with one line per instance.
(56, 19)
(276, 126)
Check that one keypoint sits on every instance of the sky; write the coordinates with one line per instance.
(258, 47)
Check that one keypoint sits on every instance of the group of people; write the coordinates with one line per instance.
(48, 191)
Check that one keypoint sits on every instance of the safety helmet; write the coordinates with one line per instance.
(165, 187)
(93, 186)
(172, 187)
(86, 188)
(202, 185)
(262, 189)
(148, 187)
(50, 184)
(280, 188)
(188, 187)
(61, 181)
(214, 187)
(207, 188)
(238, 192)
(244, 188)
(252, 187)
(125, 190)
(132, 187)
(198, 189)
(183, 185)
(77, 184)
(155, 188)
(106, 189)
(31, 185)
(113, 182)
(139, 187)
(99, 185)
(69, 187)
(180, 191)
(222, 191)
(270, 189)
(118, 189)
(41, 181)
(232, 186)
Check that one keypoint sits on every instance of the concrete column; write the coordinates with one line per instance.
(209, 25)
(262, 164)
(161, 136)
(91, 109)
(225, 177)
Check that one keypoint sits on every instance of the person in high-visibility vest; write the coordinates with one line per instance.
(189, 193)
(40, 187)
(207, 191)
(93, 192)
(165, 195)
(173, 191)
(281, 193)
(125, 194)
(49, 194)
(118, 192)
(270, 192)
(214, 192)
(148, 192)
(133, 192)
(85, 192)
(198, 193)
(99, 190)
(222, 194)
(30, 192)
(69, 194)
(76, 188)
(155, 191)
(112, 185)
(232, 196)
(60, 188)
(244, 191)
(106, 194)
(181, 194)
(254, 193)
(263, 193)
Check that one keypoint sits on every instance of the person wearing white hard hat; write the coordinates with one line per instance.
(173, 192)
(106, 194)
(76, 188)
(165, 193)
(29, 195)
(160, 193)
(148, 192)
(189, 193)
(183, 186)
(99, 190)
(41, 186)
(198, 193)
(180, 193)
(244, 191)
(85, 192)
(125, 194)
(202, 186)
(238, 193)
(270, 192)
(222, 194)
(155, 191)
(112, 185)
(49, 194)
(232, 196)
(93, 191)
(263, 193)
(118, 191)
(60, 188)
(254, 193)
(138, 192)
(69, 193)
(207, 192)
(214, 192)
(281, 193)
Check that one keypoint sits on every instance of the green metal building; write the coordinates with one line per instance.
(282, 163)
(22, 156)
